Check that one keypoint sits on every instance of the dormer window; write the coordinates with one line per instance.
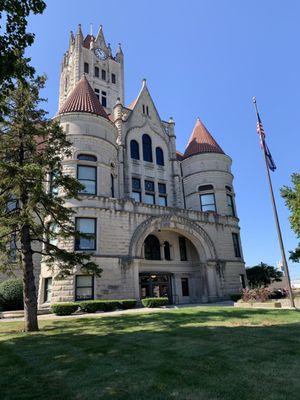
(207, 198)
(147, 148)
(86, 68)
(103, 74)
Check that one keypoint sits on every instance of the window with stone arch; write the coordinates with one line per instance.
(152, 248)
(147, 148)
(134, 150)
(159, 156)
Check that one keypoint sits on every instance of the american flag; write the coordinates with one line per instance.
(262, 137)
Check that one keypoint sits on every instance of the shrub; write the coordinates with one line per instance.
(92, 306)
(259, 295)
(111, 305)
(11, 295)
(155, 301)
(235, 296)
(279, 294)
(127, 304)
(64, 308)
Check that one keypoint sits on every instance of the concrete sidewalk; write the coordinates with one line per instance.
(121, 312)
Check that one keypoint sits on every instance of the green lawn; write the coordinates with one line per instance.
(208, 353)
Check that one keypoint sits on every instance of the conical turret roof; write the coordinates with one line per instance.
(201, 141)
(83, 99)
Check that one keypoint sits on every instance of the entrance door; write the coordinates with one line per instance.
(156, 285)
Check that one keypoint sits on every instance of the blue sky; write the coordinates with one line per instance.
(204, 58)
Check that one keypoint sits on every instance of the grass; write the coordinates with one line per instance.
(209, 353)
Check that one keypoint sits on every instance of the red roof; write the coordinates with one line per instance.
(83, 99)
(87, 41)
(201, 141)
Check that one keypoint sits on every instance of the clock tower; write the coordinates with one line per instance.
(91, 56)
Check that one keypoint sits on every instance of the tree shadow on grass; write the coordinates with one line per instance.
(167, 355)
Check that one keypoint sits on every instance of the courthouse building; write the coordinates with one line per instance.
(158, 222)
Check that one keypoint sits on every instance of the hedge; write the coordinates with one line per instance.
(64, 308)
(235, 296)
(126, 304)
(155, 301)
(11, 295)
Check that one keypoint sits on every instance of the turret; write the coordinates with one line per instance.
(93, 136)
(207, 176)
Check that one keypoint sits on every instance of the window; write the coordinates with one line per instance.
(103, 74)
(103, 99)
(86, 68)
(162, 198)
(147, 110)
(53, 231)
(230, 205)
(97, 93)
(185, 287)
(113, 78)
(152, 248)
(53, 185)
(182, 248)
(136, 190)
(159, 156)
(84, 289)
(236, 245)
(147, 148)
(134, 150)
(167, 252)
(149, 192)
(86, 226)
(207, 202)
(87, 176)
(97, 72)
(47, 290)
(143, 109)
(86, 157)
(242, 280)
(112, 185)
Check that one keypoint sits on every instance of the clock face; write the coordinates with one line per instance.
(100, 54)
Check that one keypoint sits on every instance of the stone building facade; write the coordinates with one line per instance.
(159, 223)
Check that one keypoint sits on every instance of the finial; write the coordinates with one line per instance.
(254, 99)
(91, 29)
(144, 81)
(171, 120)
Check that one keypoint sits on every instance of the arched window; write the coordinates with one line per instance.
(134, 150)
(167, 252)
(152, 248)
(86, 157)
(147, 148)
(159, 156)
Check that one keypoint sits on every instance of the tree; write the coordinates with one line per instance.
(14, 39)
(262, 275)
(31, 150)
(291, 196)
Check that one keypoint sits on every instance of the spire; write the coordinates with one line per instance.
(201, 141)
(79, 35)
(100, 40)
(83, 99)
(119, 54)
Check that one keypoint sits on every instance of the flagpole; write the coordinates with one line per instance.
(284, 260)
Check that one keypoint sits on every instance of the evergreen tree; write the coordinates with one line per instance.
(14, 39)
(31, 151)
(292, 200)
(262, 275)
